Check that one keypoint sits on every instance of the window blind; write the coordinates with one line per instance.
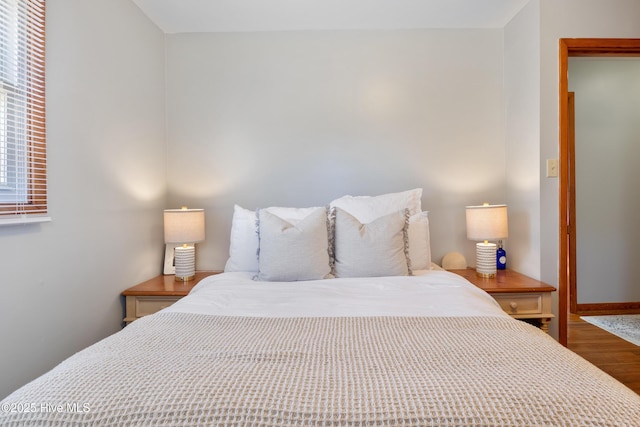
(23, 161)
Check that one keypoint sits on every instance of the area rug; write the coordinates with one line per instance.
(625, 326)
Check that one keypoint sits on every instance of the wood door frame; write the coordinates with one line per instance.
(567, 48)
(571, 200)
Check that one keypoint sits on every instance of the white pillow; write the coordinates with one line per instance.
(290, 252)
(367, 208)
(419, 242)
(292, 215)
(243, 247)
(378, 248)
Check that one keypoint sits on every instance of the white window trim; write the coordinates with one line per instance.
(24, 220)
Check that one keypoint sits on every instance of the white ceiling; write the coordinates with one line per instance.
(183, 16)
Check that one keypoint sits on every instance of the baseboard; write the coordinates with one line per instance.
(608, 308)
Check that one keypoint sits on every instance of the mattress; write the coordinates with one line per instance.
(430, 350)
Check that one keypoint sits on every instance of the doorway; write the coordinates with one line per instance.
(567, 48)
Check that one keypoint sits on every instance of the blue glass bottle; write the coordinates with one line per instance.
(501, 257)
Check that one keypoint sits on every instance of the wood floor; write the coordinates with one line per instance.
(617, 357)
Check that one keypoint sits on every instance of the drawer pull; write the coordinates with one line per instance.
(514, 306)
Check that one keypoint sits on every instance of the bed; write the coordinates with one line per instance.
(249, 348)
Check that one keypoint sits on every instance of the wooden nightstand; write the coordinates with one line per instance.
(155, 294)
(519, 296)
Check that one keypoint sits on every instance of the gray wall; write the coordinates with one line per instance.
(607, 134)
(522, 138)
(105, 132)
(299, 118)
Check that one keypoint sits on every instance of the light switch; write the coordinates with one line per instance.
(552, 168)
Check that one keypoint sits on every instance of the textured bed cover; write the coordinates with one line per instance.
(182, 368)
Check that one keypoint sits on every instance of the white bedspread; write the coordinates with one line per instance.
(428, 293)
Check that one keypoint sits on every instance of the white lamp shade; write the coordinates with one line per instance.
(487, 222)
(183, 225)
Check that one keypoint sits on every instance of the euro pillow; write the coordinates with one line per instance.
(291, 252)
(419, 242)
(378, 248)
(243, 245)
(367, 208)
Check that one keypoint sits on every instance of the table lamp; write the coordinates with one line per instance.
(486, 222)
(184, 227)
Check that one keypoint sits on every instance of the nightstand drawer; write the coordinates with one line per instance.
(149, 305)
(520, 304)
(155, 294)
(519, 296)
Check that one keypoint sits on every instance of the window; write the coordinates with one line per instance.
(23, 175)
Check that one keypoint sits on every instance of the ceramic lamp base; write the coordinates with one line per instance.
(185, 262)
(486, 259)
